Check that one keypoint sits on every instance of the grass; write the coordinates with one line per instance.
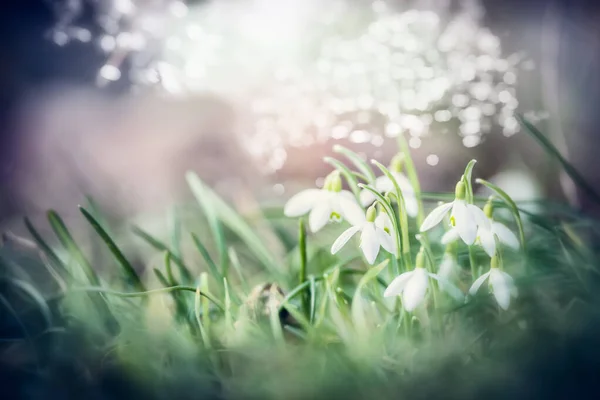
(225, 316)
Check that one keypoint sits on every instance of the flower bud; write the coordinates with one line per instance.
(420, 262)
(460, 190)
(371, 214)
(397, 163)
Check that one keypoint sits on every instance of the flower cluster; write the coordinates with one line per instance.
(390, 200)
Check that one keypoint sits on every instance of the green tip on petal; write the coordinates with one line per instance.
(494, 262)
(397, 163)
(420, 262)
(371, 214)
(460, 190)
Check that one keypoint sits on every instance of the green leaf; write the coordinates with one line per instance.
(403, 217)
(65, 238)
(513, 208)
(209, 261)
(302, 273)
(47, 250)
(357, 161)
(553, 151)
(234, 221)
(197, 308)
(158, 245)
(126, 266)
(358, 316)
(411, 172)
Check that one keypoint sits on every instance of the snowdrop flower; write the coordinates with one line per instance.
(464, 217)
(373, 236)
(501, 284)
(449, 268)
(384, 184)
(413, 285)
(487, 232)
(328, 204)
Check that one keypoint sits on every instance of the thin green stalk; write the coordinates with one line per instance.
(403, 218)
(98, 289)
(130, 273)
(411, 172)
(302, 274)
(389, 211)
(357, 161)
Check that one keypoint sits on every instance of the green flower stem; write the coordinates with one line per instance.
(466, 178)
(302, 274)
(413, 177)
(357, 161)
(387, 207)
(403, 217)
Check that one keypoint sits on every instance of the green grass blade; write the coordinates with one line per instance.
(46, 249)
(207, 258)
(565, 164)
(411, 172)
(357, 161)
(302, 272)
(158, 245)
(66, 239)
(233, 221)
(357, 311)
(197, 309)
(235, 262)
(169, 270)
(130, 272)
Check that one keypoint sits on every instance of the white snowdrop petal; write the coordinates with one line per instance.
(450, 236)
(487, 241)
(477, 284)
(366, 198)
(383, 184)
(448, 267)
(501, 288)
(350, 210)
(415, 289)
(383, 221)
(479, 216)
(386, 240)
(398, 284)
(505, 235)
(343, 239)
(319, 216)
(302, 202)
(403, 183)
(369, 242)
(448, 287)
(436, 216)
(464, 222)
(411, 204)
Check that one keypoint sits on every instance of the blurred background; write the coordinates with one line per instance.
(116, 99)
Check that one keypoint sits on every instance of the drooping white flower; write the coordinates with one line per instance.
(413, 285)
(449, 268)
(501, 284)
(464, 218)
(384, 184)
(487, 232)
(373, 236)
(328, 204)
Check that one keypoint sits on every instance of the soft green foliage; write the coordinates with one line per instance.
(316, 328)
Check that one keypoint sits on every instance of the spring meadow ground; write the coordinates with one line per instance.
(382, 291)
